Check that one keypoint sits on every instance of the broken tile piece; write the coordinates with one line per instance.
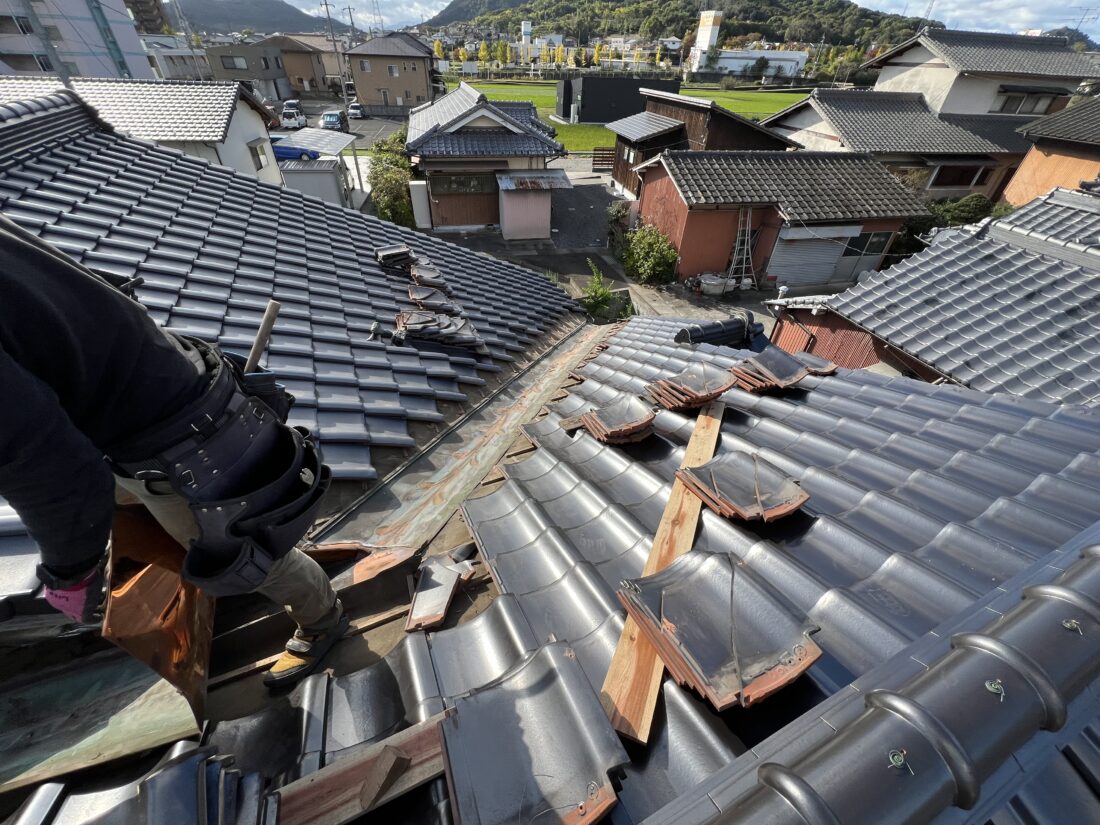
(744, 485)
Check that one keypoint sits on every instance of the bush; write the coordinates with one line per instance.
(728, 82)
(389, 176)
(599, 300)
(650, 256)
(1001, 209)
(952, 212)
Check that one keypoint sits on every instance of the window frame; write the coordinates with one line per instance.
(232, 64)
(483, 184)
(258, 152)
(23, 24)
(364, 66)
(392, 70)
(934, 181)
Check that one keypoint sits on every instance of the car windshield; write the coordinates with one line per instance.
(332, 118)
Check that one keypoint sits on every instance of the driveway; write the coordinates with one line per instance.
(579, 215)
(366, 132)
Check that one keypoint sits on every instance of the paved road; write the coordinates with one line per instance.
(578, 217)
(366, 131)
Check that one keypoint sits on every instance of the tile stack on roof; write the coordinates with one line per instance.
(157, 110)
(899, 122)
(520, 132)
(807, 187)
(1012, 307)
(1076, 124)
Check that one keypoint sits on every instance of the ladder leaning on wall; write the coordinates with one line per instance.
(740, 274)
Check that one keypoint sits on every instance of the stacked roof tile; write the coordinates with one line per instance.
(995, 53)
(808, 187)
(173, 111)
(436, 128)
(1013, 306)
(901, 122)
(1076, 124)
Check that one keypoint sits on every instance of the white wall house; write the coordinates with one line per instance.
(975, 73)
(740, 61)
(221, 122)
(82, 37)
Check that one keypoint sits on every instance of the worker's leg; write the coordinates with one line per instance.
(295, 581)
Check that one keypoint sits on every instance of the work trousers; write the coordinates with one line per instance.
(295, 581)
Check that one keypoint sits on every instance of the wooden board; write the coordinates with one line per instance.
(366, 778)
(633, 681)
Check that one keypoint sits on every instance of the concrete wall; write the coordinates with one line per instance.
(810, 129)
(1049, 165)
(245, 126)
(206, 151)
(918, 70)
(377, 87)
(976, 95)
(524, 215)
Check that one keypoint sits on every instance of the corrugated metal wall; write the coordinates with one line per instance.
(799, 262)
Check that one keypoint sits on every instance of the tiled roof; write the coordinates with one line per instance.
(395, 44)
(1003, 54)
(893, 122)
(923, 500)
(1013, 307)
(1077, 124)
(287, 43)
(1001, 130)
(806, 186)
(520, 133)
(213, 245)
(157, 110)
(643, 125)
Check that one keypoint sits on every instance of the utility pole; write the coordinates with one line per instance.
(326, 5)
(351, 18)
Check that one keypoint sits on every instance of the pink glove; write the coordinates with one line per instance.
(80, 601)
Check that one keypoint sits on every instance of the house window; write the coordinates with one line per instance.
(301, 81)
(983, 176)
(258, 152)
(24, 25)
(954, 177)
(867, 243)
(420, 98)
(265, 63)
(464, 184)
(231, 62)
(364, 65)
(413, 66)
(278, 62)
(1020, 103)
(393, 70)
(43, 62)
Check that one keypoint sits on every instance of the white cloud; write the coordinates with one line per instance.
(992, 15)
(394, 15)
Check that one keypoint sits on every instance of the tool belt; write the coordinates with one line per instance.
(252, 483)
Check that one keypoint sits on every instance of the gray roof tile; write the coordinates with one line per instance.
(157, 110)
(393, 44)
(1079, 124)
(806, 186)
(643, 126)
(1006, 54)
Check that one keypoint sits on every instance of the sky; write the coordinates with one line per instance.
(1009, 15)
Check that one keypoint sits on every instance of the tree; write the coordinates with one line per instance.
(712, 57)
(483, 53)
(248, 32)
(389, 176)
(659, 56)
(501, 52)
(463, 55)
(584, 56)
(559, 55)
(544, 54)
(437, 47)
(597, 54)
(637, 57)
(650, 256)
(760, 66)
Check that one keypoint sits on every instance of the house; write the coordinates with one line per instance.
(259, 66)
(929, 606)
(221, 122)
(394, 70)
(331, 53)
(73, 37)
(706, 57)
(475, 156)
(801, 218)
(977, 73)
(303, 63)
(675, 121)
(1065, 151)
(596, 99)
(1008, 306)
(945, 155)
(173, 57)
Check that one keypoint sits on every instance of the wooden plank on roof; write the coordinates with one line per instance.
(633, 682)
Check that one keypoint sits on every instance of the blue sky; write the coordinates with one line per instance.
(1009, 15)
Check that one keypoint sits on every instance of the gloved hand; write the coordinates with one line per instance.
(80, 599)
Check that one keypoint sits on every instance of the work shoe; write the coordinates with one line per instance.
(305, 652)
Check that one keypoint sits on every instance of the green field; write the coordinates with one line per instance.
(584, 137)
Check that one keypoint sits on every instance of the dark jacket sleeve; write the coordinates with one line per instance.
(52, 474)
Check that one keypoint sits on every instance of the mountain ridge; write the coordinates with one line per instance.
(234, 15)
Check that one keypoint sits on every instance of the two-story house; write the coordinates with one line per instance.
(394, 70)
(302, 62)
(259, 65)
(1065, 152)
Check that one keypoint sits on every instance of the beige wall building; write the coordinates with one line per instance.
(394, 70)
(303, 62)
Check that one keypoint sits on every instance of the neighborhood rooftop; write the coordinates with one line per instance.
(808, 187)
(901, 122)
(157, 110)
(1079, 123)
(706, 103)
(993, 53)
(436, 128)
(394, 44)
(644, 125)
(1011, 307)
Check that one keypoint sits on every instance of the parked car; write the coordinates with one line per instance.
(295, 105)
(357, 111)
(284, 152)
(336, 119)
(293, 119)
